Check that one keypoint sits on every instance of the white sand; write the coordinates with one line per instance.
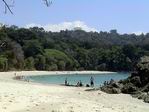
(18, 96)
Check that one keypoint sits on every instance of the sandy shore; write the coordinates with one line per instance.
(18, 96)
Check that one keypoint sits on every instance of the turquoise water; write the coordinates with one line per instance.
(74, 78)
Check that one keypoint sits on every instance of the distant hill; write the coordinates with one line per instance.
(26, 49)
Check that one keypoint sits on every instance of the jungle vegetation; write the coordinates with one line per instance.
(37, 49)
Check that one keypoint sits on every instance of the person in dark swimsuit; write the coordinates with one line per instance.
(92, 81)
(66, 82)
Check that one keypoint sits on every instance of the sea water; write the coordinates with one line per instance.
(72, 79)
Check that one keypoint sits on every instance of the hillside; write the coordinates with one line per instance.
(34, 48)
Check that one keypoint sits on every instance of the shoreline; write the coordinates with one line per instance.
(20, 75)
(31, 73)
(20, 96)
(12, 74)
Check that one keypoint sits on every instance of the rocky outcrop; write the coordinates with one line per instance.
(142, 95)
(112, 87)
(137, 84)
(128, 87)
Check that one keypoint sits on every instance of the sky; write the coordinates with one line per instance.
(127, 16)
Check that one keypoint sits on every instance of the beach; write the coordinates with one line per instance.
(19, 96)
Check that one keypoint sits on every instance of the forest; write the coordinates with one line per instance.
(37, 49)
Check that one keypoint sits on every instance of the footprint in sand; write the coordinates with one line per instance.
(36, 105)
(39, 102)
(71, 111)
(6, 96)
(17, 102)
(10, 101)
(113, 109)
(4, 107)
(42, 108)
(99, 93)
(71, 107)
(31, 101)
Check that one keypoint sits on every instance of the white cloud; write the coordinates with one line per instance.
(139, 32)
(63, 26)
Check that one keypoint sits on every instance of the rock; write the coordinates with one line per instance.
(145, 88)
(136, 81)
(136, 94)
(142, 96)
(146, 99)
(129, 88)
(143, 70)
(125, 81)
(116, 91)
(134, 74)
(137, 84)
(87, 85)
(117, 85)
(111, 90)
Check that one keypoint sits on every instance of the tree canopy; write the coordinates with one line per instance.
(34, 48)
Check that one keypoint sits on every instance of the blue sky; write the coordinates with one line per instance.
(126, 16)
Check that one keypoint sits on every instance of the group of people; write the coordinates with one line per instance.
(108, 82)
(20, 77)
(80, 84)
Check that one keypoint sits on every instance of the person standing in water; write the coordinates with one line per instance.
(66, 83)
(92, 81)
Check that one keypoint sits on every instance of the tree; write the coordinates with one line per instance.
(8, 7)
(58, 58)
(32, 48)
(3, 63)
(53, 67)
(82, 57)
(29, 63)
(61, 65)
(35, 48)
(40, 62)
(18, 54)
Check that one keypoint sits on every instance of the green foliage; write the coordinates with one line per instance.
(40, 62)
(29, 63)
(37, 49)
(32, 48)
(3, 63)
(58, 58)
(61, 65)
(56, 54)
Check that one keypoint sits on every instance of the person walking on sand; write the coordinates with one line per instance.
(92, 81)
(15, 74)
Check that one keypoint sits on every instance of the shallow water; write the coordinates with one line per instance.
(74, 78)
